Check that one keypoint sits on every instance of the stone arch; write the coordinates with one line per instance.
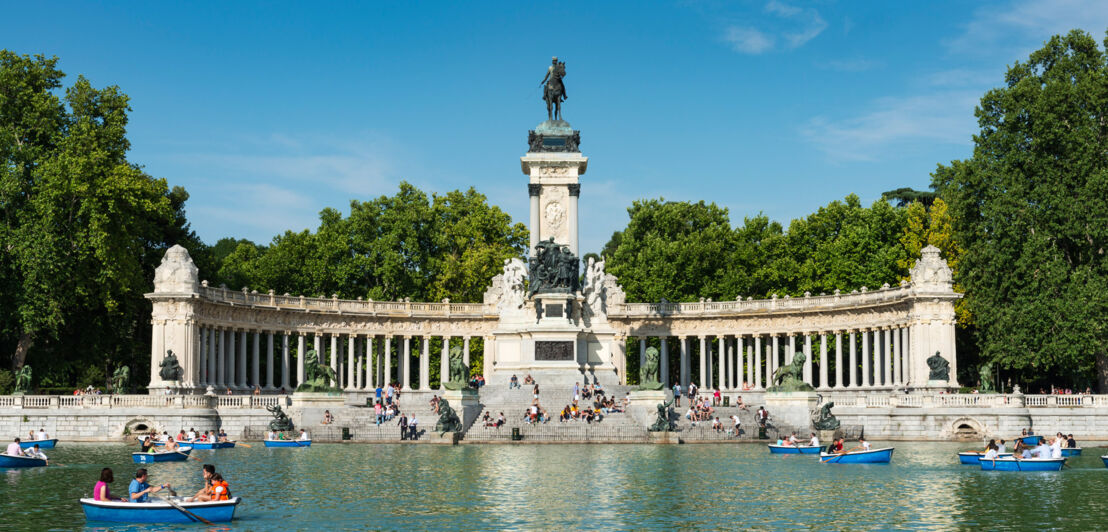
(967, 428)
(138, 425)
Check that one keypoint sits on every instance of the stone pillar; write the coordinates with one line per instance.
(808, 359)
(774, 359)
(425, 364)
(664, 365)
(221, 354)
(724, 375)
(823, 361)
(371, 364)
(269, 361)
(444, 361)
(740, 346)
(255, 362)
(533, 190)
(488, 355)
(684, 362)
(465, 354)
(406, 363)
(229, 372)
(888, 357)
(241, 382)
(896, 357)
(792, 349)
(703, 362)
(571, 220)
(359, 376)
(758, 362)
(710, 362)
(301, 349)
(642, 353)
(387, 376)
(838, 359)
(286, 363)
(853, 374)
(333, 359)
(905, 357)
(213, 349)
(351, 371)
(866, 382)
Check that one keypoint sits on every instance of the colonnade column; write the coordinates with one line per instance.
(896, 357)
(838, 359)
(852, 380)
(221, 349)
(684, 361)
(212, 339)
(386, 377)
(888, 357)
(406, 363)
(664, 367)
(823, 360)
(269, 362)
(642, 353)
(724, 375)
(425, 364)
(906, 358)
(865, 359)
(240, 383)
(465, 355)
(444, 362)
(285, 362)
(758, 362)
(740, 345)
(703, 364)
(301, 340)
(808, 359)
(792, 349)
(350, 369)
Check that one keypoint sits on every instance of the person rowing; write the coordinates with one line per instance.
(171, 445)
(991, 452)
(35, 452)
(140, 490)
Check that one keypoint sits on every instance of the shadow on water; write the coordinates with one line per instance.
(524, 487)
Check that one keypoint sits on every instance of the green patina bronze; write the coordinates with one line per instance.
(648, 373)
(22, 380)
(823, 419)
(662, 422)
(448, 419)
(280, 421)
(318, 377)
(121, 379)
(459, 373)
(790, 378)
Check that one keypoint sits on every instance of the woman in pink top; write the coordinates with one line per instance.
(101, 492)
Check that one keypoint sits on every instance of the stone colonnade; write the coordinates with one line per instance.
(241, 359)
(862, 358)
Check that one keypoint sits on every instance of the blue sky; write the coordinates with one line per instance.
(268, 112)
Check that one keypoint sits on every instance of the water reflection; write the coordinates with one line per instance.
(525, 487)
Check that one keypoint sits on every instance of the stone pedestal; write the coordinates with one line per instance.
(644, 405)
(465, 404)
(789, 411)
(307, 407)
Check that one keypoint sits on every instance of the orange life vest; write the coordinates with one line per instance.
(220, 491)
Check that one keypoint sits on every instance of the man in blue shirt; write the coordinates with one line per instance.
(139, 490)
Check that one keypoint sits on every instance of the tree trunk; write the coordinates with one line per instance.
(1102, 372)
(21, 348)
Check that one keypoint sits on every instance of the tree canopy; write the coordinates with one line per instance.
(1031, 207)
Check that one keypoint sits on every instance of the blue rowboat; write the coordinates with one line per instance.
(1105, 460)
(42, 444)
(287, 443)
(1029, 440)
(7, 461)
(1026, 464)
(875, 456)
(974, 457)
(1071, 451)
(213, 445)
(793, 449)
(158, 511)
(179, 455)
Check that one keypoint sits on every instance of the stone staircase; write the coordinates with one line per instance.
(615, 427)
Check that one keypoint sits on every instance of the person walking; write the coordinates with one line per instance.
(403, 423)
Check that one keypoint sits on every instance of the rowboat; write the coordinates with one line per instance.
(1030, 440)
(287, 443)
(1026, 464)
(1105, 460)
(180, 455)
(974, 457)
(158, 511)
(212, 444)
(875, 456)
(7, 461)
(794, 449)
(1071, 451)
(42, 444)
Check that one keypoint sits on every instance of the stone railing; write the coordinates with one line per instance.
(853, 299)
(889, 399)
(142, 401)
(352, 306)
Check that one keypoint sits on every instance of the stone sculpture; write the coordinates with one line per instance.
(553, 269)
(822, 418)
(121, 379)
(594, 289)
(662, 423)
(790, 378)
(459, 372)
(555, 92)
(22, 380)
(986, 374)
(648, 373)
(280, 421)
(940, 368)
(318, 377)
(448, 419)
(509, 287)
(171, 369)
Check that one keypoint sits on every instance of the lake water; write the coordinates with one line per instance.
(575, 487)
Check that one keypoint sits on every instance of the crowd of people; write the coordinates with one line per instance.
(15, 449)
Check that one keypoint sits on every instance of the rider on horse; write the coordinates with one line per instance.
(555, 92)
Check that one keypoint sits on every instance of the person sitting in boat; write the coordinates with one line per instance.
(35, 452)
(1043, 450)
(838, 445)
(814, 442)
(205, 493)
(220, 490)
(100, 491)
(222, 436)
(1056, 447)
(140, 490)
(31, 435)
(864, 444)
(171, 445)
(42, 435)
(1071, 443)
(14, 449)
(181, 435)
(792, 439)
(147, 444)
(191, 436)
(990, 451)
(1001, 448)
(303, 436)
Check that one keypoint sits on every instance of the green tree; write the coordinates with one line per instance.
(1031, 208)
(82, 227)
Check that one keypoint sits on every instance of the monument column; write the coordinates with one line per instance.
(269, 362)
(352, 373)
(724, 375)
(838, 359)
(425, 364)
(684, 361)
(808, 359)
(285, 363)
(571, 221)
(664, 365)
(554, 164)
(387, 377)
(406, 363)
(533, 190)
(865, 359)
(444, 361)
(823, 361)
(301, 340)
(853, 374)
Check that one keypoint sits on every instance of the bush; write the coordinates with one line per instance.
(7, 382)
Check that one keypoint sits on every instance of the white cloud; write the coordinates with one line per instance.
(748, 40)
(943, 117)
(1027, 23)
(793, 26)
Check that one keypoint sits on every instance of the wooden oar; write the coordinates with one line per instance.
(186, 512)
(244, 445)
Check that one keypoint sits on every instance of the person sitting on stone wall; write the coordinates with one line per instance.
(717, 425)
(513, 383)
(327, 418)
(739, 403)
(566, 415)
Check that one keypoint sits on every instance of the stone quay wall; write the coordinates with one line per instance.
(884, 415)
